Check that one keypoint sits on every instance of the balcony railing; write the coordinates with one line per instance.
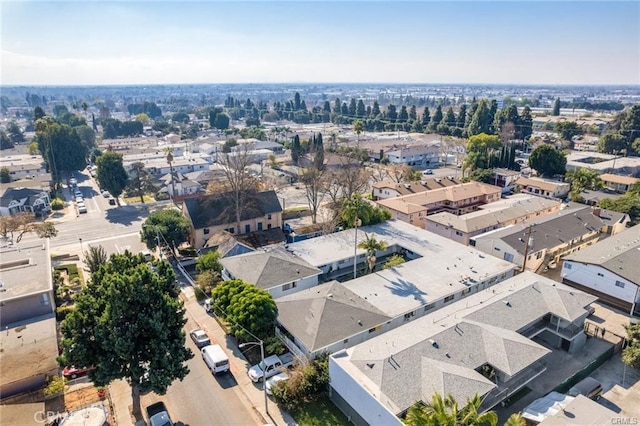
(504, 390)
(569, 332)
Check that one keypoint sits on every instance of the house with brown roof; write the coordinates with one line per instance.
(543, 187)
(389, 189)
(618, 183)
(456, 199)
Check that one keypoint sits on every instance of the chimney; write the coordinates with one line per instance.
(596, 210)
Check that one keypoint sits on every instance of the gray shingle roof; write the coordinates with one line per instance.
(321, 315)
(619, 254)
(268, 269)
(218, 209)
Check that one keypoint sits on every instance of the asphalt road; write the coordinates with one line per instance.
(202, 398)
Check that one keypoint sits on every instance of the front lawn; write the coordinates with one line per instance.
(319, 412)
(136, 199)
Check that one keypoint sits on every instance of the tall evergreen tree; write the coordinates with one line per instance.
(296, 149)
(375, 110)
(556, 107)
(425, 118)
(461, 121)
(361, 111)
(352, 108)
(437, 118)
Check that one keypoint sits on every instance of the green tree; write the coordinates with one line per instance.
(15, 133)
(436, 119)
(556, 107)
(629, 204)
(525, 129)
(111, 174)
(425, 118)
(165, 225)
(180, 117)
(631, 354)
(127, 322)
(140, 181)
(372, 246)
(210, 261)
(582, 178)
(245, 307)
(548, 161)
(5, 140)
(393, 261)
(483, 142)
(630, 125)
(358, 127)
(481, 118)
(515, 419)
(143, 118)
(5, 175)
(87, 137)
(33, 148)
(61, 146)
(611, 143)
(95, 257)
(296, 149)
(568, 129)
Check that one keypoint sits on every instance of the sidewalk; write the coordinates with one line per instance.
(252, 395)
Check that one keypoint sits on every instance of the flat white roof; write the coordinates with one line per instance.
(441, 270)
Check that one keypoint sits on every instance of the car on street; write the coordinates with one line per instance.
(106, 194)
(158, 415)
(77, 193)
(428, 172)
(112, 201)
(280, 377)
(73, 181)
(200, 337)
(79, 200)
(82, 208)
(73, 372)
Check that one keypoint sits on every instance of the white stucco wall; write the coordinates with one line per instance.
(302, 284)
(600, 279)
(353, 392)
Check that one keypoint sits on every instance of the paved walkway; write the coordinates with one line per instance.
(251, 395)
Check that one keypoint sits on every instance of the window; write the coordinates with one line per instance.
(408, 316)
(230, 230)
(619, 284)
(259, 226)
(458, 233)
(205, 231)
(467, 291)
(268, 226)
(449, 298)
(567, 265)
(289, 286)
(269, 216)
(508, 257)
(374, 329)
(539, 255)
(429, 307)
(247, 228)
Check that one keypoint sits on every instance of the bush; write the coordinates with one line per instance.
(62, 312)
(72, 271)
(161, 196)
(305, 383)
(55, 385)
(57, 204)
(188, 252)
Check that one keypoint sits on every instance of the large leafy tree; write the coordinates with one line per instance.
(23, 223)
(140, 181)
(165, 225)
(94, 258)
(111, 173)
(548, 161)
(246, 307)
(481, 119)
(568, 129)
(5, 141)
(611, 143)
(631, 354)
(15, 133)
(61, 147)
(629, 204)
(127, 322)
(209, 261)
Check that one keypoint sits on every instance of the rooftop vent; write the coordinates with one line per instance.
(434, 343)
(506, 302)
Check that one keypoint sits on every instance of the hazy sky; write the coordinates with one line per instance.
(123, 42)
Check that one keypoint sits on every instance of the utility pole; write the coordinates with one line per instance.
(527, 246)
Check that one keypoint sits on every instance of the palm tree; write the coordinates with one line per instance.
(515, 419)
(371, 245)
(169, 152)
(358, 127)
(445, 411)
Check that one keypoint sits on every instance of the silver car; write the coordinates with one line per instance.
(200, 337)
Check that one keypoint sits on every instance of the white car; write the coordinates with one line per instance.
(73, 181)
(428, 172)
(106, 194)
(82, 208)
(280, 377)
(79, 200)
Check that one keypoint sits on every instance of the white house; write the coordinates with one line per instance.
(609, 269)
(275, 271)
(415, 155)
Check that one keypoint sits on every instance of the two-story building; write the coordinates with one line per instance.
(609, 269)
(22, 200)
(456, 199)
(491, 344)
(543, 187)
(209, 214)
(545, 240)
(388, 189)
(516, 208)
(418, 156)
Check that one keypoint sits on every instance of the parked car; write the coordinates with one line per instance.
(112, 201)
(78, 193)
(589, 387)
(270, 366)
(82, 208)
(73, 181)
(428, 172)
(158, 415)
(280, 377)
(79, 200)
(215, 358)
(200, 338)
(73, 372)
(106, 194)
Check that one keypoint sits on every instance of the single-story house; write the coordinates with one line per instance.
(543, 187)
(618, 183)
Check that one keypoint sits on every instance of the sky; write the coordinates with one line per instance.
(165, 42)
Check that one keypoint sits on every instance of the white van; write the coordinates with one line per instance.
(216, 359)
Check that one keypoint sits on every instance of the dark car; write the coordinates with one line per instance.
(112, 201)
(158, 415)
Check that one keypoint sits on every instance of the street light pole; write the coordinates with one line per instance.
(355, 249)
(264, 379)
